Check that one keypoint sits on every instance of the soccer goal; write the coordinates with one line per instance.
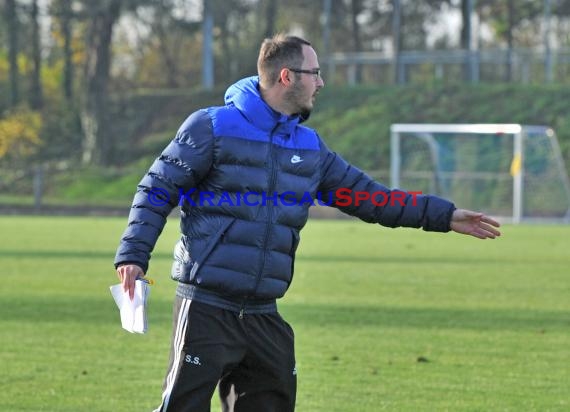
(511, 171)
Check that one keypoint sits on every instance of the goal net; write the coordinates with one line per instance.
(510, 171)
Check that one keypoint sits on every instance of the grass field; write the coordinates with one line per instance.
(385, 320)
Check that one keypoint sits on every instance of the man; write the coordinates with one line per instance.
(258, 166)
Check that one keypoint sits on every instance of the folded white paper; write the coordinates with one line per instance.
(133, 312)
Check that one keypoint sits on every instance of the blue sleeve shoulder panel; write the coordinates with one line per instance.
(180, 167)
(343, 181)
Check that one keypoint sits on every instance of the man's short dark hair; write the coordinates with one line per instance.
(276, 53)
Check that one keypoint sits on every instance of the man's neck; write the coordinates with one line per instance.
(273, 100)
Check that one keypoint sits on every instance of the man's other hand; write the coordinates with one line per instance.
(127, 275)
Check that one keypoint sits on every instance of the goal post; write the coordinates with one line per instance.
(511, 171)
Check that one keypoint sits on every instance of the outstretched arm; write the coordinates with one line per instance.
(475, 224)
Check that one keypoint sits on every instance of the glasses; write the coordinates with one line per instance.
(315, 72)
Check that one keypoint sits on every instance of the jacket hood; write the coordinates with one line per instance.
(245, 96)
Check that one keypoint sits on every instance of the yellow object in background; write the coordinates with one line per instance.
(516, 165)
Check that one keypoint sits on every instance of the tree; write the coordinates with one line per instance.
(513, 22)
(94, 114)
(63, 13)
(11, 17)
(169, 32)
(270, 17)
(465, 34)
(19, 134)
(238, 39)
(356, 9)
(510, 40)
(36, 92)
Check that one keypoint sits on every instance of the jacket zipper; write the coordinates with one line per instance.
(272, 179)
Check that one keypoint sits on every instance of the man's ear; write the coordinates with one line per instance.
(285, 77)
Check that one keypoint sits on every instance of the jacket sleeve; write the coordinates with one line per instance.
(180, 167)
(352, 191)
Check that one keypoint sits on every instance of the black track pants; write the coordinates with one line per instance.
(251, 357)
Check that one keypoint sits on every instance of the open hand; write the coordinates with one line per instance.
(474, 224)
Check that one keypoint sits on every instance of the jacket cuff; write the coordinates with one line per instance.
(438, 215)
(143, 266)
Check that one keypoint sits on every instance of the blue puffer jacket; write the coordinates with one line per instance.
(246, 176)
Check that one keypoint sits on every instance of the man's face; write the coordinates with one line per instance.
(305, 86)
